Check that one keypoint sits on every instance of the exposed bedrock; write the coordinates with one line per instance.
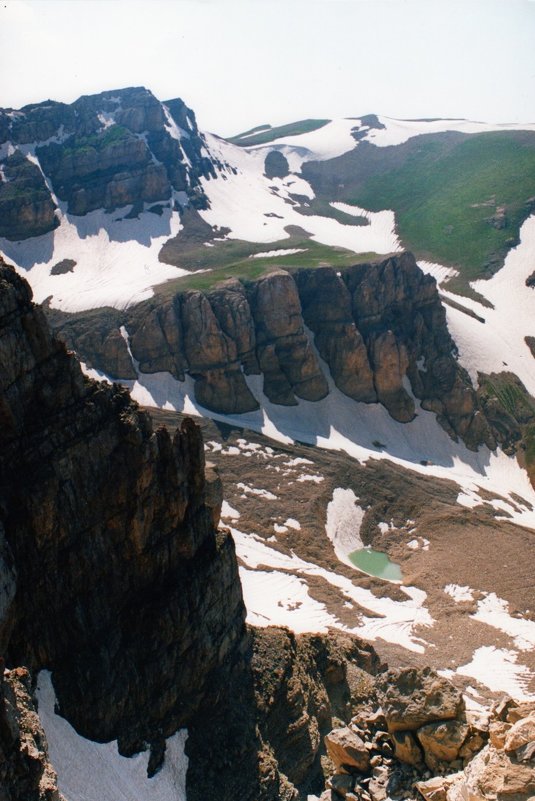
(284, 351)
(107, 527)
(379, 327)
(101, 152)
(326, 306)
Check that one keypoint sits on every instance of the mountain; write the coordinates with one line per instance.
(346, 306)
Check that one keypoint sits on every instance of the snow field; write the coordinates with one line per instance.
(392, 621)
(498, 344)
(89, 771)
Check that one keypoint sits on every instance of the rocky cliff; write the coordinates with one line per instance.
(379, 328)
(89, 490)
(103, 151)
(113, 575)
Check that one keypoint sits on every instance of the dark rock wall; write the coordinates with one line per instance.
(380, 328)
(123, 587)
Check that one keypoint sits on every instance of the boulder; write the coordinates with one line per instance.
(347, 750)
(492, 775)
(412, 697)
(442, 741)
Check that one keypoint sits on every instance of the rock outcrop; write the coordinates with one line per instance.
(89, 490)
(379, 327)
(25, 771)
(26, 206)
(103, 151)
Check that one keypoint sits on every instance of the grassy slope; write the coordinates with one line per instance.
(269, 135)
(231, 259)
(444, 196)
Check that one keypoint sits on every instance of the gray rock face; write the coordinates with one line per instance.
(107, 151)
(26, 205)
(411, 698)
(326, 306)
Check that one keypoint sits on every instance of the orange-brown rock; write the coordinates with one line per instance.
(326, 305)
(284, 352)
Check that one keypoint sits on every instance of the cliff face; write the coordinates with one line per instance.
(380, 328)
(110, 529)
(102, 151)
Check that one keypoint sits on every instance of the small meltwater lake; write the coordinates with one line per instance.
(376, 563)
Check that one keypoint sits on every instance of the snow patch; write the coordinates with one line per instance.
(459, 593)
(116, 259)
(344, 519)
(494, 612)
(260, 493)
(498, 670)
(292, 523)
(228, 511)
(392, 621)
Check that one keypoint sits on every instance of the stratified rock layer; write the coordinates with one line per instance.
(103, 151)
(379, 327)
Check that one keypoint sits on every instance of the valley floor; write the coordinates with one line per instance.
(464, 606)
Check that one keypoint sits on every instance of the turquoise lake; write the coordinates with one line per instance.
(376, 563)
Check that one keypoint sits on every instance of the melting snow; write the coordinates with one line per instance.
(498, 344)
(292, 523)
(393, 621)
(494, 612)
(227, 511)
(89, 771)
(261, 493)
(497, 669)
(459, 593)
(116, 259)
(344, 519)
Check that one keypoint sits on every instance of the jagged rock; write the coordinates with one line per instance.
(213, 359)
(442, 741)
(88, 486)
(157, 339)
(107, 169)
(497, 733)
(390, 362)
(326, 305)
(25, 772)
(436, 789)
(230, 306)
(520, 734)
(410, 698)
(347, 750)
(395, 295)
(493, 775)
(284, 353)
(342, 784)
(406, 748)
(107, 150)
